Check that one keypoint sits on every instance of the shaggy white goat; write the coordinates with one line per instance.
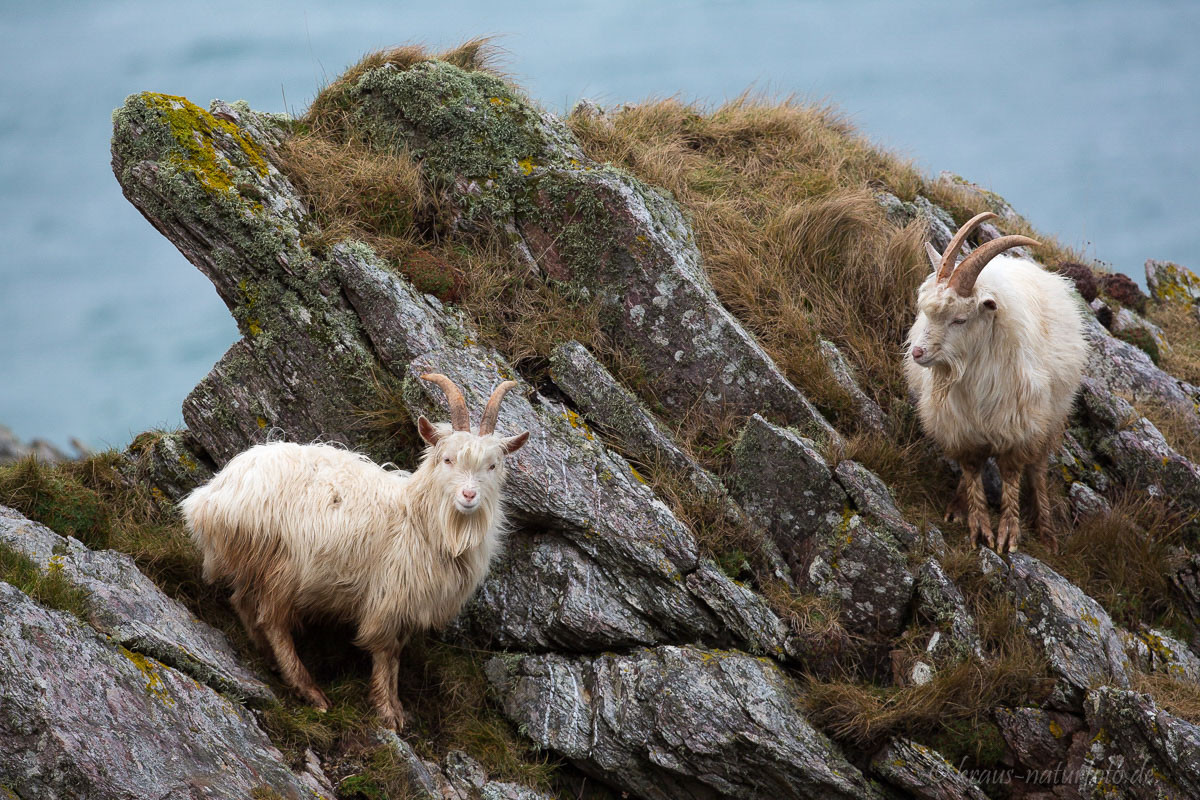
(314, 529)
(995, 361)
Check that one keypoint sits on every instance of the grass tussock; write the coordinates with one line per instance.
(951, 713)
(1124, 561)
(48, 588)
(1176, 696)
(1181, 326)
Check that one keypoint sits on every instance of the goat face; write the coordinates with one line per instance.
(948, 324)
(468, 467)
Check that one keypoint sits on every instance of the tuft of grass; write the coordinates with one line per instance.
(1174, 695)
(1124, 560)
(328, 113)
(49, 588)
(1181, 326)
(50, 495)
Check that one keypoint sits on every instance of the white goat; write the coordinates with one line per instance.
(995, 362)
(299, 530)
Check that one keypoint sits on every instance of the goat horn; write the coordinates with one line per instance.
(460, 418)
(951, 254)
(963, 279)
(492, 411)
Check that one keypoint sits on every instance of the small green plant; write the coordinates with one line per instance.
(49, 587)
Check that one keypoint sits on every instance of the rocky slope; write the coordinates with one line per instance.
(617, 642)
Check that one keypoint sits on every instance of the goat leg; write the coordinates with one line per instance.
(279, 636)
(1009, 530)
(977, 512)
(245, 608)
(956, 511)
(385, 675)
(1042, 521)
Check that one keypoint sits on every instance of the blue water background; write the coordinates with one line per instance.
(1085, 115)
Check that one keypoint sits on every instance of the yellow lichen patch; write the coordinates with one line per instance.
(195, 131)
(253, 326)
(187, 461)
(526, 165)
(1056, 730)
(578, 423)
(637, 475)
(149, 669)
(55, 565)
(262, 422)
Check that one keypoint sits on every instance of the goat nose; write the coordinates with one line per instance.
(469, 494)
(918, 352)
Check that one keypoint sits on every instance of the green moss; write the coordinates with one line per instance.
(48, 587)
(1142, 339)
(194, 130)
(56, 500)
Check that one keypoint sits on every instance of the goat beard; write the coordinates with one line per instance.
(945, 375)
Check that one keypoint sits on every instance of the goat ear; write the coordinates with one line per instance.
(427, 430)
(935, 258)
(514, 443)
(988, 303)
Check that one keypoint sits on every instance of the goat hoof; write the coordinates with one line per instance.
(318, 700)
(393, 719)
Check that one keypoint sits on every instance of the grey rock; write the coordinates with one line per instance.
(460, 778)
(1118, 368)
(82, 718)
(1043, 742)
(1186, 580)
(1135, 451)
(1172, 283)
(990, 199)
(172, 462)
(1086, 502)
(942, 604)
(872, 497)
(867, 411)
(1153, 650)
(1073, 462)
(510, 167)
(13, 449)
(1137, 750)
(742, 612)
(1073, 631)
(610, 406)
(923, 772)
(126, 605)
(1126, 321)
(211, 188)
(786, 487)
(783, 483)
(677, 722)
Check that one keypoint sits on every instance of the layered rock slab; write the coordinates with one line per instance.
(677, 722)
(506, 166)
(81, 718)
(126, 605)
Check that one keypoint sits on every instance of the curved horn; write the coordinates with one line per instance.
(951, 254)
(492, 411)
(963, 279)
(460, 418)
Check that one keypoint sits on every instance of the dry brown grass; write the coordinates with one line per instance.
(1174, 695)
(1181, 326)
(781, 199)
(1124, 561)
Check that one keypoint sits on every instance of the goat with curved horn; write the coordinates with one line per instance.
(995, 359)
(460, 418)
(944, 263)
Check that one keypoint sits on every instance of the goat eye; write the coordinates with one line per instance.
(493, 466)
(957, 321)
(447, 460)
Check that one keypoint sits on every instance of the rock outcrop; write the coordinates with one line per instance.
(630, 651)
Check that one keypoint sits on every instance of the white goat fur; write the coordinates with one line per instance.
(1005, 382)
(1001, 382)
(302, 530)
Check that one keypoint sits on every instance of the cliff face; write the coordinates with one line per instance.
(822, 648)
